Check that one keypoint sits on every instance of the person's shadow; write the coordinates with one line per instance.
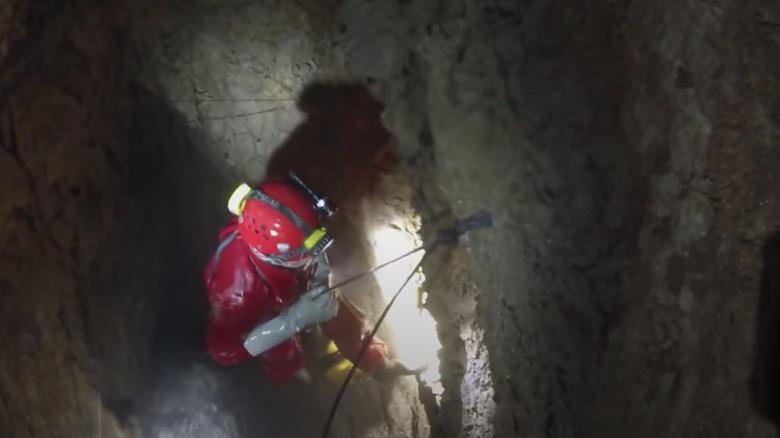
(765, 378)
(339, 150)
(343, 151)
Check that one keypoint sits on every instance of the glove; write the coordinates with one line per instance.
(313, 307)
(392, 368)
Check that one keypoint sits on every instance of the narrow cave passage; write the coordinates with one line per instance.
(189, 394)
(628, 151)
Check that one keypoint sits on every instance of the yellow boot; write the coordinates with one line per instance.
(336, 366)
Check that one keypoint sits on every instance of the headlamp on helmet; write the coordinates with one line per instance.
(321, 203)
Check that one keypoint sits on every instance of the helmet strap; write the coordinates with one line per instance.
(315, 243)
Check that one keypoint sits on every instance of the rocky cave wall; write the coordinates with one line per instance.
(628, 153)
(94, 220)
(627, 150)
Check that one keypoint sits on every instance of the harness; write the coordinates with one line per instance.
(221, 248)
(320, 273)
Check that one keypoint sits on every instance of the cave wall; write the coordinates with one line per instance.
(234, 70)
(78, 230)
(587, 129)
(134, 122)
(626, 149)
(102, 191)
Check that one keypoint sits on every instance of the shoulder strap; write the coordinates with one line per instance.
(221, 248)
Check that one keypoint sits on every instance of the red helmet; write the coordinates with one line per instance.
(279, 223)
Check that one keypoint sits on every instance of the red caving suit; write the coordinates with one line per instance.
(244, 291)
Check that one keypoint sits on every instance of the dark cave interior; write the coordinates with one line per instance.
(627, 150)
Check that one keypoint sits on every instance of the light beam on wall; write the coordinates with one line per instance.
(413, 328)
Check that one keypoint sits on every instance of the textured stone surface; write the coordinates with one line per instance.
(77, 240)
(627, 149)
(234, 69)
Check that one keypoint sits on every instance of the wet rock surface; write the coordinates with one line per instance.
(627, 150)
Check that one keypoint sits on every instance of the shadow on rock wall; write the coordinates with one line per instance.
(194, 199)
(187, 394)
(765, 379)
(343, 150)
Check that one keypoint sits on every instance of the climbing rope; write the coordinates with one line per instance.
(482, 219)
